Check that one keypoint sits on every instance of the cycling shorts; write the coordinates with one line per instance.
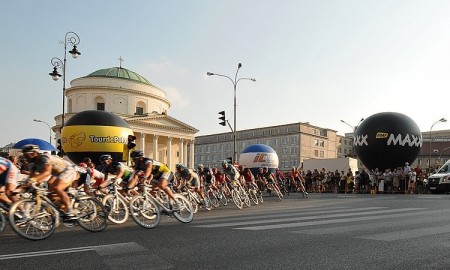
(194, 182)
(68, 175)
(163, 175)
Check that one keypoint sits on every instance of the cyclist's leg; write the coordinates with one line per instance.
(63, 181)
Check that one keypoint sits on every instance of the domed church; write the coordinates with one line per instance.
(142, 105)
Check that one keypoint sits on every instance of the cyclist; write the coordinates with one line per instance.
(231, 174)
(249, 179)
(207, 176)
(159, 175)
(191, 178)
(142, 167)
(297, 178)
(220, 180)
(84, 179)
(269, 178)
(9, 174)
(100, 182)
(122, 172)
(59, 174)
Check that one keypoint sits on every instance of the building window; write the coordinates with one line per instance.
(322, 154)
(294, 150)
(139, 111)
(316, 153)
(100, 106)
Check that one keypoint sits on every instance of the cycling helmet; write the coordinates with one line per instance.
(265, 168)
(224, 162)
(200, 166)
(30, 148)
(137, 154)
(179, 166)
(104, 157)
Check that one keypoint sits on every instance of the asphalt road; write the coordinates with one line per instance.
(325, 231)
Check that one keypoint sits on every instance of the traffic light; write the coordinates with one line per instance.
(131, 144)
(223, 122)
(59, 147)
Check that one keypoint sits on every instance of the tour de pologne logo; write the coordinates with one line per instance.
(77, 139)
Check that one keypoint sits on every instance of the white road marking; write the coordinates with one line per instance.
(101, 250)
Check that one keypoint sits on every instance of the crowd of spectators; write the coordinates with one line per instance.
(397, 180)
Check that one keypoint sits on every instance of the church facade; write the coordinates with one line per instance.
(142, 105)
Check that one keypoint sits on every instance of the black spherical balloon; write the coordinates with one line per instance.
(94, 133)
(387, 140)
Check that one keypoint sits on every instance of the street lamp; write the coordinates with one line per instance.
(73, 39)
(40, 121)
(354, 130)
(235, 82)
(443, 150)
(442, 120)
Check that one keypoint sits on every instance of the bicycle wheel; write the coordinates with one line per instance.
(144, 212)
(207, 203)
(223, 199)
(236, 198)
(186, 213)
(253, 196)
(32, 222)
(260, 196)
(193, 202)
(213, 199)
(92, 214)
(246, 198)
(117, 208)
(278, 193)
(2, 222)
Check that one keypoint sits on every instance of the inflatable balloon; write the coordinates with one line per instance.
(387, 140)
(256, 156)
(94, 133)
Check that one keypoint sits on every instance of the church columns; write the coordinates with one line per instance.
(181, 151)
(169, 152)
(185, 152)
(142, 141)
(155, 147)
(191, 154)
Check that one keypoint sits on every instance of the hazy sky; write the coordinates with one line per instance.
(314, 61)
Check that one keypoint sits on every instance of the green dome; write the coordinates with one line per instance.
(120, 73)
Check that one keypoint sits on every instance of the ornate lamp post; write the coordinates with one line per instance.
(72, 39)
(234, 82)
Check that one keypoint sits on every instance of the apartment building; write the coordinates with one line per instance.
(293, 143)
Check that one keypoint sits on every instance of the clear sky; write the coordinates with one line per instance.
(314, 61)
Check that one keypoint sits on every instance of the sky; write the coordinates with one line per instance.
(316, 61)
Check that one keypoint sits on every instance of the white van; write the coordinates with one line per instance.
(440, 181)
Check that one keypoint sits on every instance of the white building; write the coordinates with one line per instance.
(142, 105)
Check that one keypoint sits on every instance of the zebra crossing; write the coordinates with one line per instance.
(373, 223)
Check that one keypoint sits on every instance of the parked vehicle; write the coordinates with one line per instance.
(440, 181)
